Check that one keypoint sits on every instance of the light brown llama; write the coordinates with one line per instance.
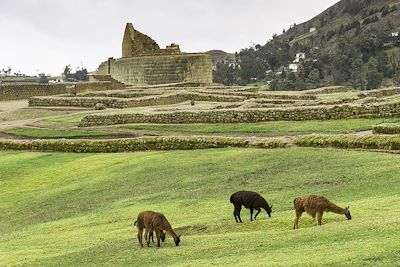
(315, 206)
(154, 221)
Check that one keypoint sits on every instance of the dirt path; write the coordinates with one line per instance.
(9, 106)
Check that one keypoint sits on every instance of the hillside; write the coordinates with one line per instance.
(66, 209)
(219, 56)
(352, 19)
(354, 42)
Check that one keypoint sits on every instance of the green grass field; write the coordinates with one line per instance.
(52, 133)
(276, 128)
(60, 209)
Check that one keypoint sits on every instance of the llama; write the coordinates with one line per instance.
(315, 206)
(154, 221)
(250, 200)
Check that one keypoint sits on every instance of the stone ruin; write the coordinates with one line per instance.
(137, 44)
(143, 62)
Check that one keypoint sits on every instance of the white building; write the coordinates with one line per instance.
(395, 34)
(299, 56)
(313, 29)
(293, 67)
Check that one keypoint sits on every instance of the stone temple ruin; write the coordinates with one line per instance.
(144, 63)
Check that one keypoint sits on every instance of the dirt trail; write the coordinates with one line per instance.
(11, 106)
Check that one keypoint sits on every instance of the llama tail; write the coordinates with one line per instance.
(135, 223)
(231, 199)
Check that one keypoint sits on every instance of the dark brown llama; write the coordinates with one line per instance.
(250, 200)
(154, 221)
(315, 206)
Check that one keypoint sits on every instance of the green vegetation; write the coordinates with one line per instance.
(71, 120)
(385, 142)
(278, 128)
(352, 45)
(52, 133)
(78, 209)
(339, 96)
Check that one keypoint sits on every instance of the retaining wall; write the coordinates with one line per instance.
(17, 92)
(113, 102)
(249, 116)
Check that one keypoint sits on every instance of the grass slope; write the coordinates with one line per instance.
(52, 133)
(267, 129)
(60, 209)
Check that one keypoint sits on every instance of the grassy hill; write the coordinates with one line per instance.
(219, 56)
(344, 19)
(60, 209)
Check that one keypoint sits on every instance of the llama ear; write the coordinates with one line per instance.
(179, 235)
(348, 207)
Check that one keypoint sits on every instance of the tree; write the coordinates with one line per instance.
(357, 77)
(313, 77)
(382, 64)
(374, 77)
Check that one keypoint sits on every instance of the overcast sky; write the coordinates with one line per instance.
(46, 35)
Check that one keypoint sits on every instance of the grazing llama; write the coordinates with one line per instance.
(315, 206)
(154, 221)
(250, 200)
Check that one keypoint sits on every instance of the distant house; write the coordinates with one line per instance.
(293, 67)
(299, 56)
(313, 29)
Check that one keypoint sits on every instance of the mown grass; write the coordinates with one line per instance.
(278, 128)
(52, 133)
(60, 209)
(339, 96)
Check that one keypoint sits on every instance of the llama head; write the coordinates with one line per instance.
(162, 236)
(347, 213)
(177, 240)
(269, 210)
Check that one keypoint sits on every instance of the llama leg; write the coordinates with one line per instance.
(237, 213)
(258, 212)
(234, 215)
(251, 214)
(158, 238)
(151, 237)
(319, 217)
(296, 220)
(146, 234)
(140, 236)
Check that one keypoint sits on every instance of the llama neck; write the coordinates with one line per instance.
(336, 209)
(168, 228)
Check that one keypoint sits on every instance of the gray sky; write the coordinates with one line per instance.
(46, 35)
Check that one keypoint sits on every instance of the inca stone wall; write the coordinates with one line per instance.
(185, 68)
(16, 92)
(144, 63)
(249, 116)
(115, 102)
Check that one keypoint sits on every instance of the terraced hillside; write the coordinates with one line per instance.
(64, 204)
